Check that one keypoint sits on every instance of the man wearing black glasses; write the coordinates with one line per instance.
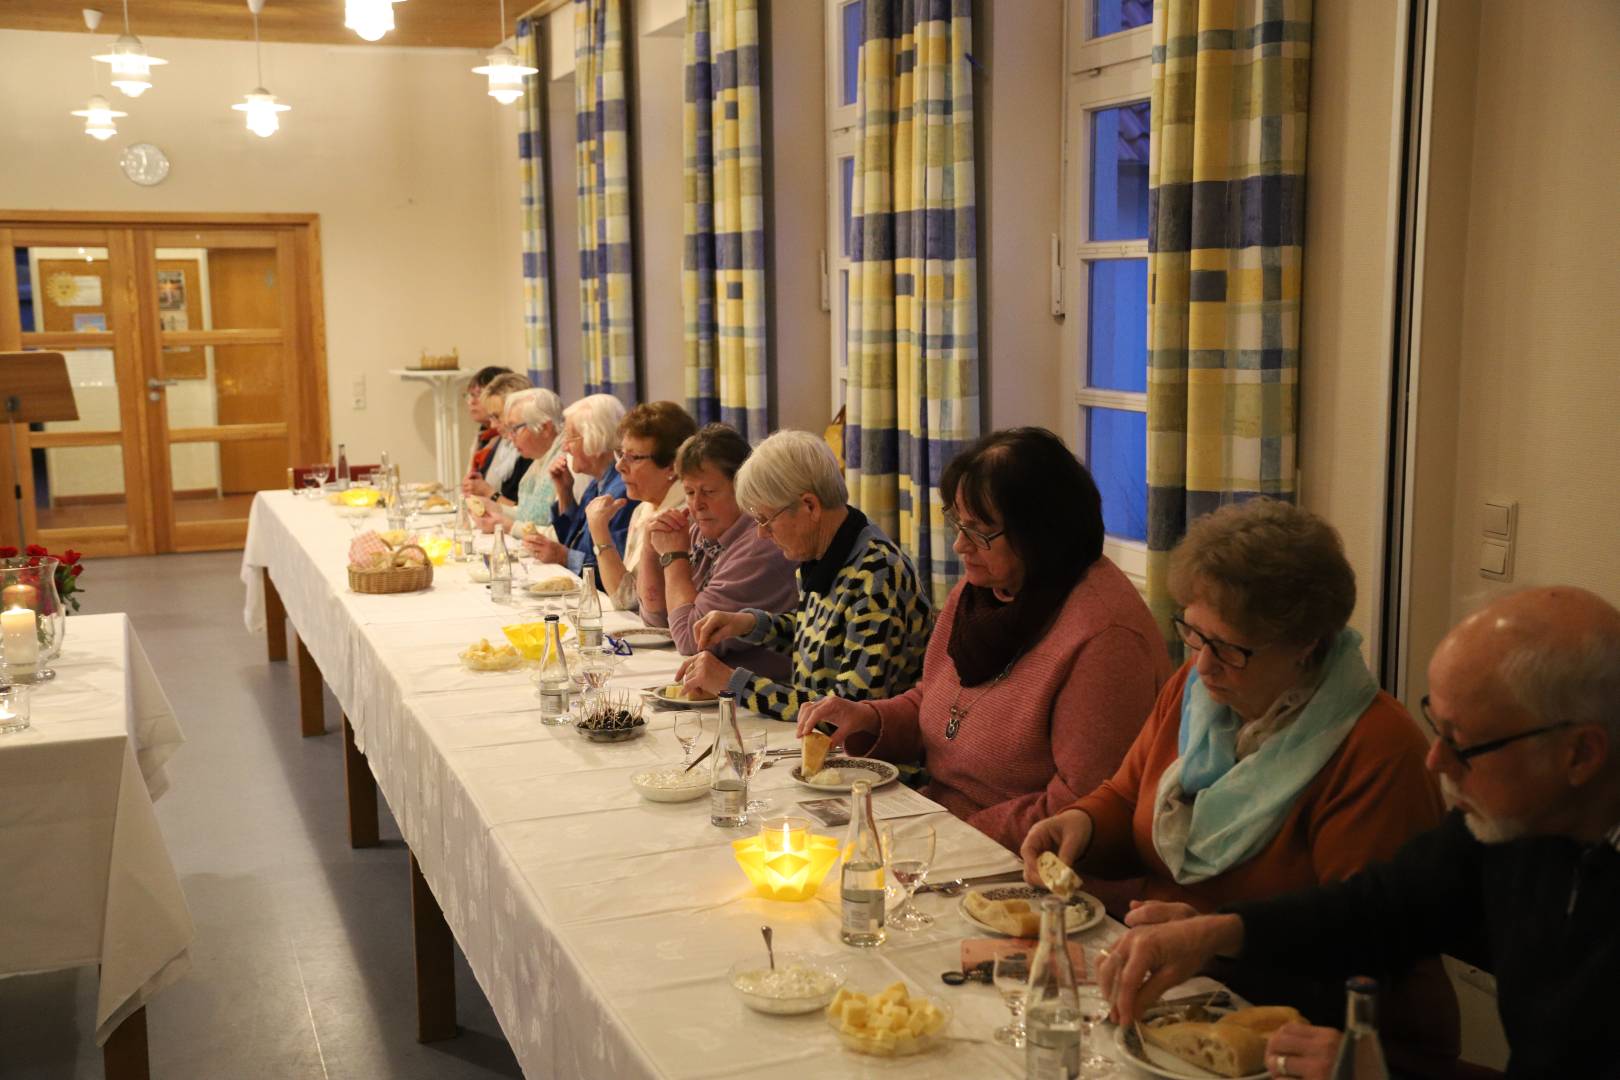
(1523, 877)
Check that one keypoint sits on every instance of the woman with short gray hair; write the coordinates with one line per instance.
(590, 430)
(861, 626)
(533, 422)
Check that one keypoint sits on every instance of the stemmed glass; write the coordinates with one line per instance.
(597, 669)
(1093, 1009)
(1011, 976)
(911, 853)
(320, 473)
(688, 732)
(754, 756)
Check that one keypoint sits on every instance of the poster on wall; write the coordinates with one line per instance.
(91, 323)
(172, 292)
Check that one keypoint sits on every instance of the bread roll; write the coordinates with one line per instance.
(813, 753)
(1264, 1019)
(1234, 1045)
(1014, 917)
(1056, 875)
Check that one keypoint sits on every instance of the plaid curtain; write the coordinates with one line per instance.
(913, 389)
(1226, 206)
(602, 166)
(723, 267)
(532, 174)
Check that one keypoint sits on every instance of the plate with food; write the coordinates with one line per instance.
(482, 656)
(892, 1023)
(614, 717)
(1014, 910)
(436, 505)
(839, 773)
(676, 695)
(1198, 1041)
(554, 585)
(647, 637)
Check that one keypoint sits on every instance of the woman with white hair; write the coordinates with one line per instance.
(590, 429)
(533, 421)
(861, 626)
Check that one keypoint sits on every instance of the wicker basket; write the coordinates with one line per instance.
(451, 361)
(396, 579)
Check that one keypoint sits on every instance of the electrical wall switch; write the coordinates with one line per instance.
(1499, 522)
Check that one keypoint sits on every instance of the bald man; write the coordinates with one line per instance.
(1522, 878)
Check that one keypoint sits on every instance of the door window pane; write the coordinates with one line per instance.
(63, 290)
(1119, 167)
(1116, 454)
(218, 289)
(851, 18)
(846, 173)
(1112, 16)
(1116, 325)
(215, 481)
(79, 487)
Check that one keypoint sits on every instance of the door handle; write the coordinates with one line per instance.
(155, 384)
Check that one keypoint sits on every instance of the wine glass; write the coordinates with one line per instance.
(1011, 976)
(911, 853)
(688, 731)
(754, 756)
(1093, 1008)
(320, 473)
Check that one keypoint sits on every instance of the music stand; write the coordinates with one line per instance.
(34, 388)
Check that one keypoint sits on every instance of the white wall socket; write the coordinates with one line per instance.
(357, 394)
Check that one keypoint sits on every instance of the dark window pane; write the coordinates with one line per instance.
(25, 291)
(843, 300)
(846, 171)
(1119, 168)
(1116, 325)
(853, 16)
(1112, 16)
(1116, 454)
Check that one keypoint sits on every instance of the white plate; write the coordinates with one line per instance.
(695, 788)
(851, 769)
(1083, 913)
(661, 695)
(647, 637)
(1161, 1062)
(442, 511)
(546, 588)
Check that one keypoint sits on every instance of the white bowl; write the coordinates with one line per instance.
(668, 784)
(752, 979)
(904, 1046)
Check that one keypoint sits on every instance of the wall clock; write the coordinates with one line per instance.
(145, 164)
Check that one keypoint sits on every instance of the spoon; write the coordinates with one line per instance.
(765, 931)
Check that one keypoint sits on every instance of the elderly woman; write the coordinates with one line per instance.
(483, 447)
(533, 422)
(506, 465)
(862, 621)
(1044, 661)
(649, 435)
(709, 556)
(1271, 762)
(590, 426)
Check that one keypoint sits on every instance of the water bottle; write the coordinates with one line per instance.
(728, 773)
(862, 896)
(554, 681)
(342, 477)
(500, 569)
(1361, 1055)
(589, 622)
(1052, 1017)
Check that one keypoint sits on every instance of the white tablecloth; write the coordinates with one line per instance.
(86, 878)
(600, 926)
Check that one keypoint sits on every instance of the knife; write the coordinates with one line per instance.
(699, 758)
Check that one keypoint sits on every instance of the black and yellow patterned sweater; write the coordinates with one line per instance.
(863, 636)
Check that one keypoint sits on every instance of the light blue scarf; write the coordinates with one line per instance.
(1238, 806)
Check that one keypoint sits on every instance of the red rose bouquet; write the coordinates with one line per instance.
(68, 569)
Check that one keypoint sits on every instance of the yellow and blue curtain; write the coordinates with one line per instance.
(532, 179)
(913, 336)
(1226, 206)
(723, 262)
(602, 168)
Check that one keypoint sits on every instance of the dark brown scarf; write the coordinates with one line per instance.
(988, 635)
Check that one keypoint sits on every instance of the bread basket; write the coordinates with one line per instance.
(396, 578)
(450, 361)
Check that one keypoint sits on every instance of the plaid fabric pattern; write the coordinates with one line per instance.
(723, 262)
(602, 167)
(1226, 206)
(913, 388)
(532, 179)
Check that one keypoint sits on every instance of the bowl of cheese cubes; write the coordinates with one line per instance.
(893, 1023)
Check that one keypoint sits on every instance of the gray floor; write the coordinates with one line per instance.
(302, 961)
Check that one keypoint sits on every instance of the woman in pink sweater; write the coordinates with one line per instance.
(1044, 662)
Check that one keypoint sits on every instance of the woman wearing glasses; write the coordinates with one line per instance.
(590, 426)
(1271, 761)
(534, 424)
(504, 469)
(1044, 661)
(649, 435)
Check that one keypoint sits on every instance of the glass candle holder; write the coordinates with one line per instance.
(14, 708)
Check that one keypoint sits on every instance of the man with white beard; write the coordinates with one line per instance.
(1522, 878)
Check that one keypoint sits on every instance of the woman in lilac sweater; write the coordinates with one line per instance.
(1044, 662)
(709, 557)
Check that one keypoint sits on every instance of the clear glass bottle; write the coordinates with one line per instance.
(862, 878)
(554, 681)
(342, 477)
(1052, 1017)
(500, 569)
(728, 771)
(1361, 1055)
(589, 621)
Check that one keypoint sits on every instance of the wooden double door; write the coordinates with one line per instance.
(196, 350)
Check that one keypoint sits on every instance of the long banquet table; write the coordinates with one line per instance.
(600, 926)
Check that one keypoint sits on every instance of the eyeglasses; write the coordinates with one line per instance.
(622, 456)
(983, 540)
(1233, 656)
(518, 429)
(764, 523)
(1463, 754)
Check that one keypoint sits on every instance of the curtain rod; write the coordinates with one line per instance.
(544, 8)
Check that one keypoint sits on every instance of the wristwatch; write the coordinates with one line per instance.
(597, 549)
(670, 556)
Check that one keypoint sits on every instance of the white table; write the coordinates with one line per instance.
(446, 420)
(87, 878)
(600, 926)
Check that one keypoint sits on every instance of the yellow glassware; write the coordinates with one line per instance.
(530, 638)
(437, 548)
(791, 872)
(364, 497)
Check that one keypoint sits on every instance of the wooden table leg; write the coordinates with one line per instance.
(275, 620)
(435, 963)
(124, 1055)
(361, 787)
(311, 704)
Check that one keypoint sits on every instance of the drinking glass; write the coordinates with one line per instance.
(754, 756)
(1011, 976)
(688, 732)
(597, 668)
(911, 853)
(14, 708)
(1093, 1010)
(320, 473)
(312, 486)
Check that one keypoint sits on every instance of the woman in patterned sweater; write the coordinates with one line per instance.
(861, 626)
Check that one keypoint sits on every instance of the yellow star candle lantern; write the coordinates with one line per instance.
(784, 861)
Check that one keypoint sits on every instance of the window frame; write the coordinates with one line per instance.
(842, 138)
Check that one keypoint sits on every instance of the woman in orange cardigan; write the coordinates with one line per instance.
(1271, 762)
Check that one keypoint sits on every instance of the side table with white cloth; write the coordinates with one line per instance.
(87, 878)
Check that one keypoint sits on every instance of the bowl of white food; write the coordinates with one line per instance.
(798, 984)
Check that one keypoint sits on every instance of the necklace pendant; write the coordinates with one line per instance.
(955, 723)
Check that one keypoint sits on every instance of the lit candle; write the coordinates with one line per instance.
(20, 595)
(19, 635)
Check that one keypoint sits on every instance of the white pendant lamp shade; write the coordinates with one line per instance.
(131, 65)
(371, 19)
(263, 112)
(98, 118)
(505, 75)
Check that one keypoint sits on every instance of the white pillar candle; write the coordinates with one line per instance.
(20, 636)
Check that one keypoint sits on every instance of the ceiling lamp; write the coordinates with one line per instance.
(505, 73)
(263, 113)
(371, 19)
(98, 118)
(130, 63)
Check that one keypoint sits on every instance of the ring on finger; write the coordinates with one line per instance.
(1282, 1065)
